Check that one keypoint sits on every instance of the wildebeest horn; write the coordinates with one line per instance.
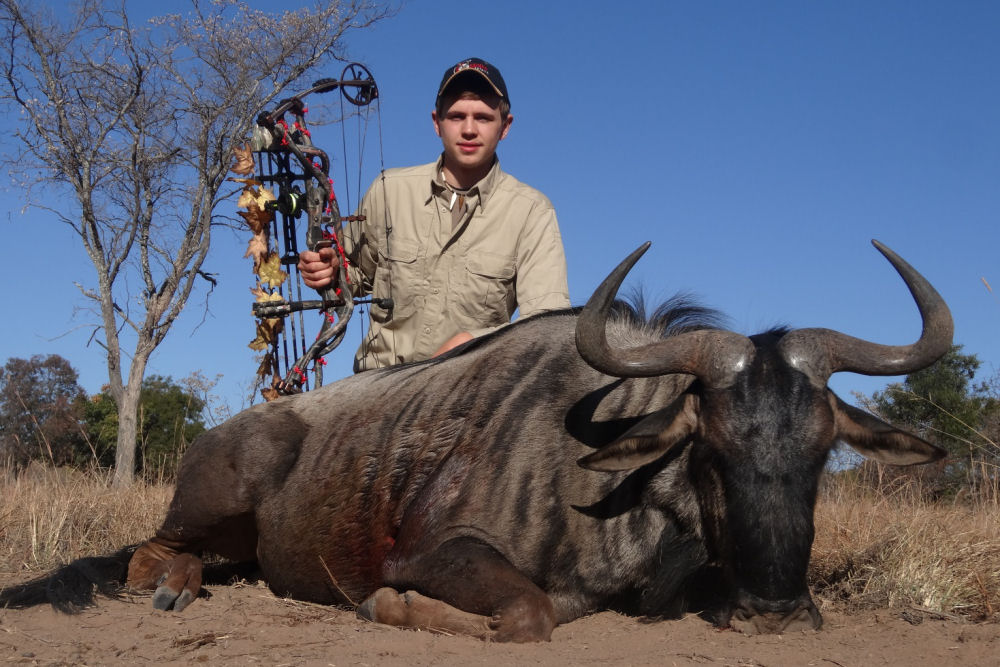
(714, 356)
(821, 352)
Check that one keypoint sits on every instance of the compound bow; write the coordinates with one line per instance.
(287, 160)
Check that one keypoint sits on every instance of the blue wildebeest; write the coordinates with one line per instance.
(525, 480)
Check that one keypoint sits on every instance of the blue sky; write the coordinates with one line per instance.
(758, 145)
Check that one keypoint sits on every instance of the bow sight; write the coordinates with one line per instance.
(286, 160)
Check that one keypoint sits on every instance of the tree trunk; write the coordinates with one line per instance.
(128, 408)
(127, 400)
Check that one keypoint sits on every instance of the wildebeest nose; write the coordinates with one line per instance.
(758, 616)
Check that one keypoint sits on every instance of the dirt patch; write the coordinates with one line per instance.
(246, 624)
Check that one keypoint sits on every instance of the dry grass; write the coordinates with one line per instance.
(878, 548)
(50, 516)
(874, 548)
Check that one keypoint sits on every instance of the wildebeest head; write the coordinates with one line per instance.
(762, 422)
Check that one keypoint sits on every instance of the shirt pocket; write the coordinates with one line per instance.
(397, 276)
(488, 299)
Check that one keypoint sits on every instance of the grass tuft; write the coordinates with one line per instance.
(51, 516)
(875, 549)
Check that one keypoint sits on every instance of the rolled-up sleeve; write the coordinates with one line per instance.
(541, 282)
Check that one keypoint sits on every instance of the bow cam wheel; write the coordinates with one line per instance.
(358, 85)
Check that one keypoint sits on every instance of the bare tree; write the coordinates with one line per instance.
(138, 123)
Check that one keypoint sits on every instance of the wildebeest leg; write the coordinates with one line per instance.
(211, 510)
(413, 610)
(475, 589)
(169, 562)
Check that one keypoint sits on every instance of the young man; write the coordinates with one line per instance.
(457, 244)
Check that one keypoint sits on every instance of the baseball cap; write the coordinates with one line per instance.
(479, 66)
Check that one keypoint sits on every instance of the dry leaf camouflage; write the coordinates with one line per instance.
(261, 295)
(267, 365)
(257, 219)
(267, 334)
(271, 274)
(257, 248)
(243, 161)
(270, 393)
(268, 329)
(254, 193)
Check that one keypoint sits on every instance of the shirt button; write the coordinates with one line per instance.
(427, 329)
(435, 290)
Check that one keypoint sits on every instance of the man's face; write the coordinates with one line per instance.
(470, 130)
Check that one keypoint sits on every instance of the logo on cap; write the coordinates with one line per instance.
(461, 67)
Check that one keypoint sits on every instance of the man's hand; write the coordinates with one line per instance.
(318, 268)
(453, 342)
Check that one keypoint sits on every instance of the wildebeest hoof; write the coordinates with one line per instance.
(163, 598)
(167, 599)
(366, 609)
(386, 605)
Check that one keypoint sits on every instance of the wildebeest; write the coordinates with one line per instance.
(525, 480)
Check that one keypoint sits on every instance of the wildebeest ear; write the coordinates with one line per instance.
(872, 437)
(648, 440)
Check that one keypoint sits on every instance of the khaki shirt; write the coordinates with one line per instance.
(446, 277)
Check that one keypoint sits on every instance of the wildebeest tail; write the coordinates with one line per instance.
(73, 587)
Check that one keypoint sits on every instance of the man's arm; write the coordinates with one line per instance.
(541, 281)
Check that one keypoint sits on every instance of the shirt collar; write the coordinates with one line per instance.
(484, 188)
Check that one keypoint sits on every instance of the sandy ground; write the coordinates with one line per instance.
(246, 624)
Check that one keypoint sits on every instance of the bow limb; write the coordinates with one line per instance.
(336, 296)
(337, 293)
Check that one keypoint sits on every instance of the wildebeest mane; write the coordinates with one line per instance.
(678, 314)
(770, 336)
